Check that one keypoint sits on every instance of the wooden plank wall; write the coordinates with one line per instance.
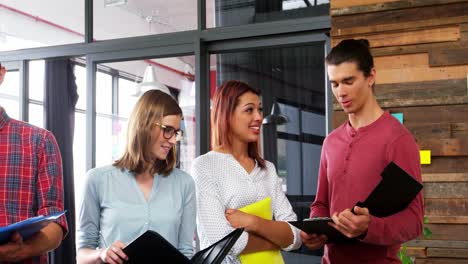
(421, 57)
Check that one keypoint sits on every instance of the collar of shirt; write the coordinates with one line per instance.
(4, 118)
(352, 132)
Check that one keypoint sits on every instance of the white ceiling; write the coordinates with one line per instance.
(24, 31)
(109, 23)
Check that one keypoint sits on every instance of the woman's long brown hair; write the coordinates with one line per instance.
(149, 110)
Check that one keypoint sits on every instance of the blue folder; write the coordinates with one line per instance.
(28, 227)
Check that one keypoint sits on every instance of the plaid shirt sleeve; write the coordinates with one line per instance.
(50, 181)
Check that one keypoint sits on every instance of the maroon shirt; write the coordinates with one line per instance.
(350, 168)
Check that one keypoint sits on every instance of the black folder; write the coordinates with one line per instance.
(151, 248)
(392, 194)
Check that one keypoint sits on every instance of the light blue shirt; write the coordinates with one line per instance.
(114, 208)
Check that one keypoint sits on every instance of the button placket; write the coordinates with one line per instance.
(148, 216)
(348, 151)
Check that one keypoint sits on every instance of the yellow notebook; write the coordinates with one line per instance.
(261, 209)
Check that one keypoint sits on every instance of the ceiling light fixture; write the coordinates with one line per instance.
(276, 117)
(108, 3)
(150, 82)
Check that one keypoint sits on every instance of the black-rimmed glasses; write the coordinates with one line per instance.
(169, 132)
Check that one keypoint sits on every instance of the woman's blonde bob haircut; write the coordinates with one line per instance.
(149, 110)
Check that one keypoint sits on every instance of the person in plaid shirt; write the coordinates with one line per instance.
(30, 185)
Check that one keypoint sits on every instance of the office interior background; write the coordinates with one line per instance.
(192, 47)
(278, 46)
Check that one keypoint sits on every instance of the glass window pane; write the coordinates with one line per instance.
(313, 123)
(30, 24)
(289, 166)
(36, 115)
(126, 99)
(103, 93)
(10, 85)
(292, 113)
(141, 18)
(310, 167)
(291, 75)
(294, 77)
(119, 140)
(111, 133)
(222, 13)
(176, 74)
(187, 145)
(80, 75)
(104, 139)
(36, 80)
(11, 107)
(79, 160)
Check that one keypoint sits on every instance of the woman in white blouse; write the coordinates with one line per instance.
(234, 175)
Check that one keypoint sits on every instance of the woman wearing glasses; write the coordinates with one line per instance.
(142, 190)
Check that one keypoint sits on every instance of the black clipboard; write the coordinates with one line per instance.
(151, 248)
(320, 226)
(392, 194)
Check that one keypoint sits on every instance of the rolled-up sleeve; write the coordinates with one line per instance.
(50, 180)
(283, 210)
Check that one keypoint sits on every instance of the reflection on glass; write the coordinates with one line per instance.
(141, 18)
(31, 24)
(36, 80)
(36, 115)
(222, 13)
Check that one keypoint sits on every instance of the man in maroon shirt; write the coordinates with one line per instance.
(353, 156)
(30, 185)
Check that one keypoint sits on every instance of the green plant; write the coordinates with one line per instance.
(426, 231)
(403, 254)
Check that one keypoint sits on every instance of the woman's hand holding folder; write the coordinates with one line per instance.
(113, 254)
